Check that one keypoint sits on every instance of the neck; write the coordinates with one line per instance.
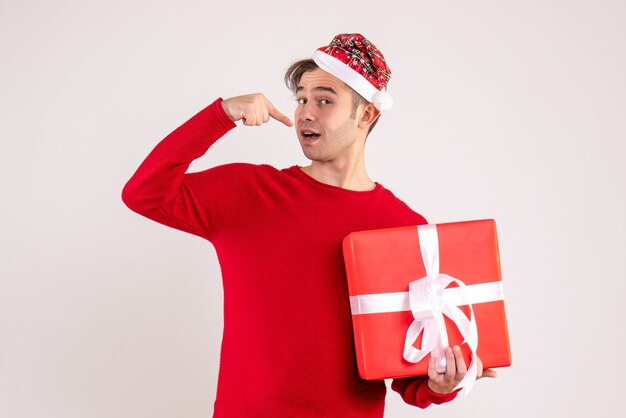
(350, 175)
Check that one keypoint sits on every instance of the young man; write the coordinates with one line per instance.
(287, 346)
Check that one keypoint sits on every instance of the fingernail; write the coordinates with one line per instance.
(457, 348)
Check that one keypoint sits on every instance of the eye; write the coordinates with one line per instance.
(301, 100)
(325, 101)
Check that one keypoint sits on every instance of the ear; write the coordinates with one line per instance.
(368, 116)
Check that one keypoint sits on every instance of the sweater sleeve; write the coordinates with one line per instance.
(160, 189)
(415, 391)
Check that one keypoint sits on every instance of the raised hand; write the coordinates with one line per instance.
(253, 109)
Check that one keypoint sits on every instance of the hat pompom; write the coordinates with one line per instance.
(382, 100)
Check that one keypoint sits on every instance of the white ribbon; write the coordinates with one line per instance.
(429, 299)
(399, 301)
(426, 293)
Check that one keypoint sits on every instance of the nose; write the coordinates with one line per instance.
(305, 112)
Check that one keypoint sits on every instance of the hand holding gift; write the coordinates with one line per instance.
(447, 381)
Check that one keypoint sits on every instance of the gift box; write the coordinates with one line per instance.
(416, 290)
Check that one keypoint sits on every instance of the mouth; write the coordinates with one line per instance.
(309, 135)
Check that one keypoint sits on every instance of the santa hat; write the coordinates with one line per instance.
(357, 62)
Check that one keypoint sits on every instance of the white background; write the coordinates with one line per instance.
(513, 110)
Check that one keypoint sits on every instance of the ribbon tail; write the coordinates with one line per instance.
(436, 337)
(469, 332)
(411, 353)
(470, 378)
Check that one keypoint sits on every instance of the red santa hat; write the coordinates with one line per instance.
(357, 62)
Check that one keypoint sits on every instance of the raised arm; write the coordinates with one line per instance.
(160, 189)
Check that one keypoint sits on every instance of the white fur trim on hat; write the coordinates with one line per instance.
(381, 99)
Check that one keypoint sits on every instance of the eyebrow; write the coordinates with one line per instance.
(319, 88)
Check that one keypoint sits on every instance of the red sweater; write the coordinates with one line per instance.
(287, 347)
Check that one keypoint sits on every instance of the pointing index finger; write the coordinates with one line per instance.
(280, 117)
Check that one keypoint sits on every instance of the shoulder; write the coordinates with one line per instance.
(235, 169)
(242, 173)
(398, 206)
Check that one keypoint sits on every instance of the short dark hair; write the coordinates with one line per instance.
(297, 69)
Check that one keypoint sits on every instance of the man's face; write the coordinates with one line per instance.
(326, 123)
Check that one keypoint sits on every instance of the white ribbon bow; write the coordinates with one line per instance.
(428, 305)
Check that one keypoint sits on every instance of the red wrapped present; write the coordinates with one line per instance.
(417, 290)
